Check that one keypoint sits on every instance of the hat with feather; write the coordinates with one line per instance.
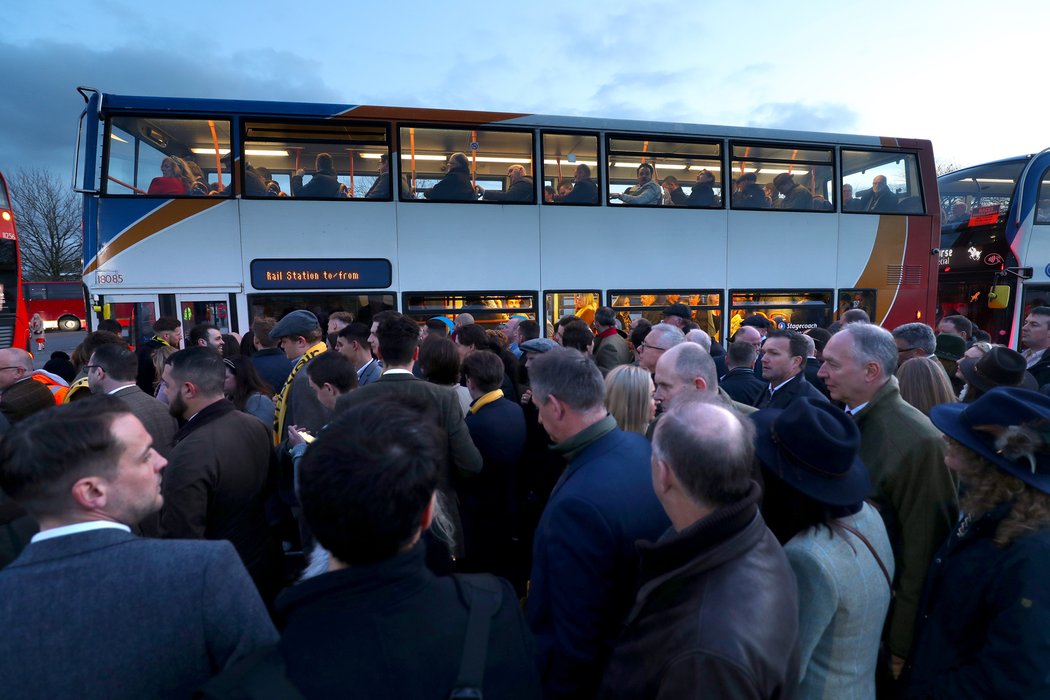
(1008, 426)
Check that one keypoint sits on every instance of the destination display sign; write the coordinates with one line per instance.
(321, 273)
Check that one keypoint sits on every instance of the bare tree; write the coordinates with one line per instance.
(49, 225)
(945, 166)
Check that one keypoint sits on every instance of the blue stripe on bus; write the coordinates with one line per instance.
(115, 103)
(117, 214)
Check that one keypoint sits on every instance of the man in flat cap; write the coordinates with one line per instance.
(299, 335)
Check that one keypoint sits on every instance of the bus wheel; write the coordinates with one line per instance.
(69, 323)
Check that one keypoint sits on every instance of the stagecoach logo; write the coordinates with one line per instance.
(993, 259)
(109, 277)
(975, 254)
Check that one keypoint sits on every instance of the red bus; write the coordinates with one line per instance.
(14, 323)
(60, 304)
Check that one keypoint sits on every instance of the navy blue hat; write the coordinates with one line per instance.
(295, 324)
(813, 448)
(1007, 426)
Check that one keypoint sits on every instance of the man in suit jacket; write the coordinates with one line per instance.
(584, 562)
(1035, 337)
(783, 361)
(112, 370)
(352, 343)
(610, 349)
(739, 380)
(219, 478)
(91, 610)
(398, 347)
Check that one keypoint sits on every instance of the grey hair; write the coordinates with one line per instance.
(571, 376)
(692, 361)
(873, 343)
(917, 335)
(673, 334)
(811, 347)
(699, 337)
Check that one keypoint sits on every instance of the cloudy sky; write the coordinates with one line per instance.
(958, 73)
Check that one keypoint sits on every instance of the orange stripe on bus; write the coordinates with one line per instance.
(168, 215)
(887, 251)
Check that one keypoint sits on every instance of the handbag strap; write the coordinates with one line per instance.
(862, 538)
(484, 595)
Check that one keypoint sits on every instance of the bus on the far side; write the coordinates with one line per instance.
(995, 248)
(14, 323)
(60, 304)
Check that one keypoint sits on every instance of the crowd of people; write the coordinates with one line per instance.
(326, 507)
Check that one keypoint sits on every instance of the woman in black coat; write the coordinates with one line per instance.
(984, 620)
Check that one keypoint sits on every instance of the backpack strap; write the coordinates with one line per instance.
(484, 596)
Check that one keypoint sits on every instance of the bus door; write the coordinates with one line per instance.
(213, 308)
(134, 313)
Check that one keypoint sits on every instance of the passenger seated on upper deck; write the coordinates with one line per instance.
(198, 183)
(380, 189)
(566, 186)
(323, 182)
(674, 191)
(520, 189)
(703, 194)
(456, 185)
(646, 192)
(795, 196)
(960, 213)
(583, 190)
(254, 183)
(879, 198)
(174, 180)
(849, 202)
(548, 194)
(749, 194)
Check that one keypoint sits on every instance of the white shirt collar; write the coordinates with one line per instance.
(396, 371)
(77, 528)
(778, 387)
(856, 409)
(120, 388)
(365, 366)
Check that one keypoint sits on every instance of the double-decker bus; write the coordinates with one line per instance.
(223, 211)
(60, 304)
(994, 256)
(14, 324)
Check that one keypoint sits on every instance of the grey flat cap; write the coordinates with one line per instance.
(295, 324)
(538, 345)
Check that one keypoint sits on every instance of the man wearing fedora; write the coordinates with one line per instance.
(984, 628)
(716, 613)
(904, 454)
(1000, 366)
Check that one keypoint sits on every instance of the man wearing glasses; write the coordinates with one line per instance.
(914, 340)
(661, 338)
(15, 365)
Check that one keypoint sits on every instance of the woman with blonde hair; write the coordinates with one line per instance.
(175, 178)
(629, 398)
(984, 620)
(924, 384)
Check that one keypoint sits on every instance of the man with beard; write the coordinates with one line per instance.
(219, 471)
